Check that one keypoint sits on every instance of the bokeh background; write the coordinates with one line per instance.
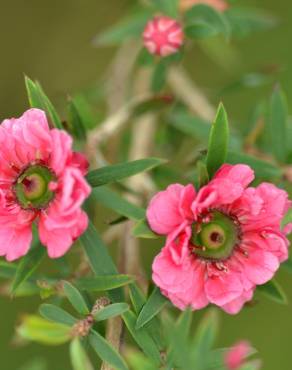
(52, 41)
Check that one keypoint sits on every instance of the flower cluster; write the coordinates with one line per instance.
(41, 181)
(221, 242)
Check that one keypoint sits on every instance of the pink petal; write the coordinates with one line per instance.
(170, 208)
(223, 287)
(239, 173)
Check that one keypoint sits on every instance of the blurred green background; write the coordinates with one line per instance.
(52, 41)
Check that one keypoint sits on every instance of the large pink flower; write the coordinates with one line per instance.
(221, 242)
(219, 5)
(42, 181)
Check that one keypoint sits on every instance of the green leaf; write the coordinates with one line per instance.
(218, 142)
(115, 309)
(140, 362)
(202, 173)
(274, 291)
(202, 13)
(117, 172)
(204, 338)
(97, 253)
(57, 314)
(79, 358)
(141, 336)
(75, 298)
(106, 352)
(287, 265)
(38, 99)
(153, 327)
(76, 120)
(142, 230)
(200, 30)
(263, 170)
(168, 7)
(277, 121)
(159, 76)
(115, 202)
(7, 270)
(36, 329)
(99, 258)
(104, 282)
(245, 21)
(152, 307)
(101, 263)
(129, 27)
(28, 265)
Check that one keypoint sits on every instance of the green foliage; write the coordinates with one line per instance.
(104, 282)
(38, 99)
(204, 16)
(79, 358)
(274, 291)
(168, 7)
(117, 172)
(129, 27)
(278, 115)
(57, 314)
(75, 298)
(152, 307)
(142, 230)
(28, 265)
(218, 142)
(76, 120)
(115, 202)
(106, 352)
(36, 329)
(115, 309)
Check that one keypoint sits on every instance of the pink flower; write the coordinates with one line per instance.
(163, 36)
(235, 357)
(220, 5)
(221, 242)
(42, 181)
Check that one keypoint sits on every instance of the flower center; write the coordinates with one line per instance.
(32, 187)
(216, 239)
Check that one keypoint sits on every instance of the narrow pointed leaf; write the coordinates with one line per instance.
(205, 338)
(142, 230)
(117, 172)
(79, 358)
(274, 291)
(99, 258)
(202, 173)
(39, 330)
(115, 202)
(104, 282)
(106, 352)
(210, 16)
(76, 121)
(75, 298)
(218, 142)
(38, 99)
(57, 314)
(7, 270)
(153, 306)
(28, 265)
(115, 309)
(278, 116)
(141, 336)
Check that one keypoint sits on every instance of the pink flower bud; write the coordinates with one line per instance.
(163, 36)
(236, 356)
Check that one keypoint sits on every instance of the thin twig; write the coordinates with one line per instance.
(186, 90)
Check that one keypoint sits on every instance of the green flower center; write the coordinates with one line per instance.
(32, 187)
(215, 240)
